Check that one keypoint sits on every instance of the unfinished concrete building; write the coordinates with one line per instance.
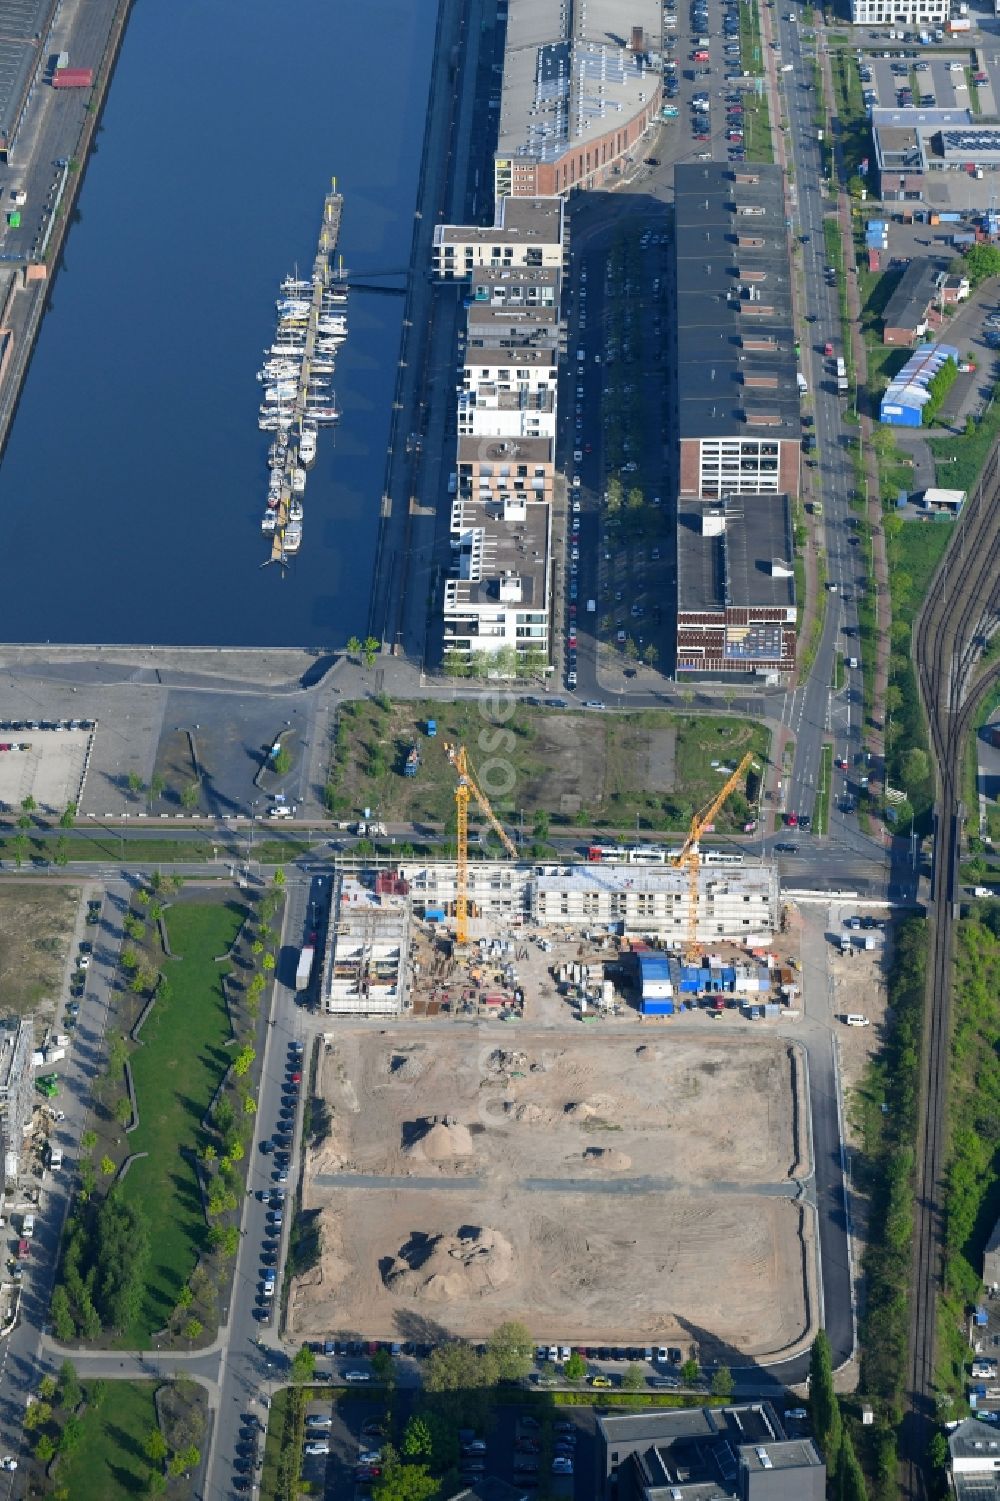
(364, 970)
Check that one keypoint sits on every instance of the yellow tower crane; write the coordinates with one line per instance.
(689, 857)
(465, 786)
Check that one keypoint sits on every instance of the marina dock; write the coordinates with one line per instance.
(285, 541)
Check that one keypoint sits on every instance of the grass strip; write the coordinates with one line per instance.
(821, 808)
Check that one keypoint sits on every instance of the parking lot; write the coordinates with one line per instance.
(44, 763)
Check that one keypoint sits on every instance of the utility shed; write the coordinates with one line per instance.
(656, 988)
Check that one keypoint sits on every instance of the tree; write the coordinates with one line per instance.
(45, 1449)
(71, 1435)
(937, 1450)
(267, 963)
(823, 1400)
(722, 1382)
(192, 1329)
(651, 655)
(47, 1388)
(249, 1105)
(893, 698)
(88, 1141)
(190, 795)
(19, 848)
(513, 1351)
(24, 822)
(279, 876)
(981, 262)
(68, 816)
(37, 1415)
(405, 1482)
(135, 783)
(244, 1061)
(850, 1476)
(185, 1297)
(454, 1366)
(117, 1050)
(633, 1378)
(63, 1322)
(916, 767)
(383, 1366)
(70, 1391)
(418, 1442)
(304, 1365)
(61, 854)
(123, 1110)
(371, 650)
(156, 1483)
(107, 1166)
(28, 804)
(575, 1368)
(157, 786)
(353, 647)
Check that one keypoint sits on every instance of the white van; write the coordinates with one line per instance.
(854, 1020)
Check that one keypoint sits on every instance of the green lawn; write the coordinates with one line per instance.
(110, 1462)
(959, 461)
(821, 808)
(176, 1071)
(105, 845)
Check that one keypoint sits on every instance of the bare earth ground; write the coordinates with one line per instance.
(613, 1188)
(36, 925)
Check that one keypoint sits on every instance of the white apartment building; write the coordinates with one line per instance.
(918, 14)
(497, 595)
(489, 413)
(528, 232)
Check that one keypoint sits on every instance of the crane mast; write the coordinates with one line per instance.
(465, 787)
(689, 857)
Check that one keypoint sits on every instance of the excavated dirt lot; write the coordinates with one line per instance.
(601, 1188)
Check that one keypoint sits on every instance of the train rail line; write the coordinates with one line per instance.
(961, 603)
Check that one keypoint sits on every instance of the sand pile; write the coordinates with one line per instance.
(580, 1111)
(604, 1157)
(442, 1139)
(442, 1268)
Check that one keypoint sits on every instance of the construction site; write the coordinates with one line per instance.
(632, 1189)
(527, 1112)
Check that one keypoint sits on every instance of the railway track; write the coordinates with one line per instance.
(963, 599)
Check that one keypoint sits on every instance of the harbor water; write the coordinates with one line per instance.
(134, 478)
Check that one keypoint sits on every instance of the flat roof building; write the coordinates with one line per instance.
(738, 904)
(491, 468)
(365, 964)
(739, 422)
(917, 13)
(496, 597)
(527, 232)
(735, 586)
(581, 87)
(941, 159)
(496, 600)
(737, 1453)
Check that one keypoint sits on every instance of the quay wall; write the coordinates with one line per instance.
(26, 303)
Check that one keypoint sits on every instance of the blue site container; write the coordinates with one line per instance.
(434, 914)
(657, 1008)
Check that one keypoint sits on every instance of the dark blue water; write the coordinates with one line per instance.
(134, 480)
